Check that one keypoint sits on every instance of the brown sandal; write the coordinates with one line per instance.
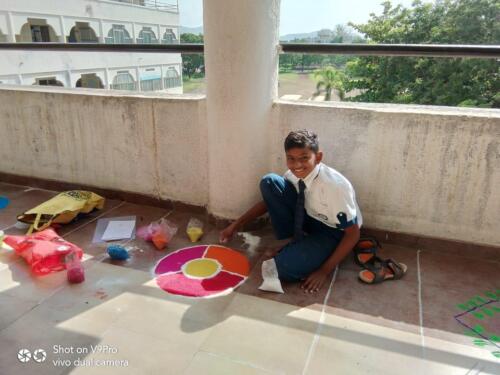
(365, 250)
(382, 270)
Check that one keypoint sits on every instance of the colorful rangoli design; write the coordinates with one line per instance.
(202, 271)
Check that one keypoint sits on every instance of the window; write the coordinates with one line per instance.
(118, 35)
(151, 80)
(48, 81)
(36, 30)
(123, 81)
(172, 78)
(40, 33)
(90, 81)
(169, 37)
(82, 33)
(147, 36)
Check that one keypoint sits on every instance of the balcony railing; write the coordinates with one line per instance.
(157, 4)
(427, 50)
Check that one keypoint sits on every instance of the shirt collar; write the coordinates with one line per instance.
(312, 176)
(309, 178)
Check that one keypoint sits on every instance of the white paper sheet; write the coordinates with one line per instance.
(118, 230)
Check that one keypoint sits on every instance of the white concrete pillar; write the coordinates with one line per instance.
(179, 69)
(11, 37)
(162, 81)
(241, 59)
(69, 80)
(138, 75)
(101, 32)
(107, 83)
(62, 26)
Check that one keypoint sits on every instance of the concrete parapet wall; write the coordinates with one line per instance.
(430, 171)
(154, 145)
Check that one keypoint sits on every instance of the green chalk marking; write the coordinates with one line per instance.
(488, 312)
(473, 302)
(480, 342)
(478, 315)
(470, 333)
(491, 295)
(470, 304)
(480, 299)
(479, 328)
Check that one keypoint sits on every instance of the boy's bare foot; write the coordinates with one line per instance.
(315, 281)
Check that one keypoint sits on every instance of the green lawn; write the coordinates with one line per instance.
(289, 83)
(193, 85)
(293, 76)
(297, 84)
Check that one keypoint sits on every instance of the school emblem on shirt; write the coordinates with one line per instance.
(323, 217)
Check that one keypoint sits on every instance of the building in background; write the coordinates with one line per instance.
(91, 21)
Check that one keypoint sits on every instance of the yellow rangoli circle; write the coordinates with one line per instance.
(201, 268)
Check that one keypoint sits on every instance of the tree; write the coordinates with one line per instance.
(295, 61)
(192, 64)
(328, 79)
(441, 81)
(343, 34)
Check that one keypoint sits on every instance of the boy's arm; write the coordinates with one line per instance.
(316, 279)
(257, 210)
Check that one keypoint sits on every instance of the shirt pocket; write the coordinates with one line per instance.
(319, 204)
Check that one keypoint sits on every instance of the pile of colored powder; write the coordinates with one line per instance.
(118, 252)
(76, 275)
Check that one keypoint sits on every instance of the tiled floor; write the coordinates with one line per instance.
(402, 327)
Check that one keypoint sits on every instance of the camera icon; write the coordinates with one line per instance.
(24, 355)
(39, 355)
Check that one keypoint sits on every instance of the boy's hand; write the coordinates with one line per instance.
(227, 233)
(315, 281)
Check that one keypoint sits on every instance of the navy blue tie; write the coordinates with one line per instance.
(298, 231)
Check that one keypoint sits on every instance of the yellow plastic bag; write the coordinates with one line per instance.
(61, 209)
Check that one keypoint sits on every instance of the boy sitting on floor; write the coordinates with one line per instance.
(312, 204)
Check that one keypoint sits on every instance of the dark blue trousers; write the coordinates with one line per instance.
(297, 259)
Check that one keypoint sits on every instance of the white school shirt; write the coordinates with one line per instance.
(329, 197)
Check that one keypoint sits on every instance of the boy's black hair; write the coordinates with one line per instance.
(302, 139)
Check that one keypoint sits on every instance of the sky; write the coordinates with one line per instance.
(302, 16)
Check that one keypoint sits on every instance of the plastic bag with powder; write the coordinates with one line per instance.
(194, 229)
(159, 232)
(271, 281)
(44, 251)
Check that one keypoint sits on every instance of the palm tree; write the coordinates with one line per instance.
(327, 79)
